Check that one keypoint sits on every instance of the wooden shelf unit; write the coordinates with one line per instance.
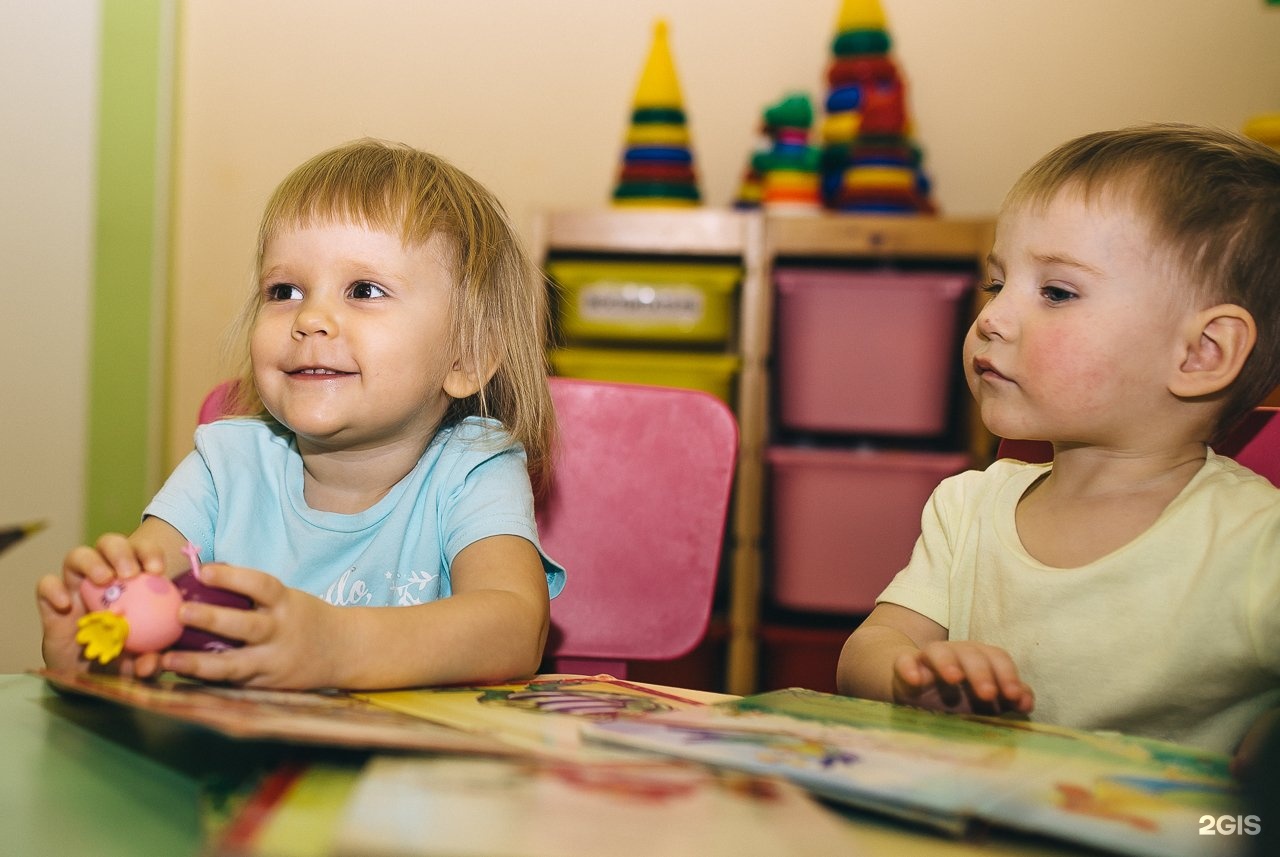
(756, 241)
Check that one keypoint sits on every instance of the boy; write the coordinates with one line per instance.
(1132, 584)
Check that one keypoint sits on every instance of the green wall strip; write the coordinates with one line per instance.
(130, 260)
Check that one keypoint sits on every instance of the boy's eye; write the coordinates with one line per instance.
(1056, 294)
(283, 292)
(364, 290)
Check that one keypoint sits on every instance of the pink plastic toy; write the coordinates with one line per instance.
(140, 614)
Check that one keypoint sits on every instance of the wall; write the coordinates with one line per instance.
(48, 62)
(533, 98)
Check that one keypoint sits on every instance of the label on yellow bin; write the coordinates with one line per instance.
(606, 301)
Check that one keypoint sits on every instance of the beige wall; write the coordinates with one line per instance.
(530, 95)
(533, 98)
(48, 62)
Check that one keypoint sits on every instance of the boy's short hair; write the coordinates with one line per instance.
(1212, 199)
(499, 307)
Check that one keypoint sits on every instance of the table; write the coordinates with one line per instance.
(80, 776)
(83, 777)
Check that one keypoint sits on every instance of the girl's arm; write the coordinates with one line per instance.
(492, 628)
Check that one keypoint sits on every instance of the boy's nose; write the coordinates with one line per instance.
(991, 322)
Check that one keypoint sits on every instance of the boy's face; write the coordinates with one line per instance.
(1081, 335)
(352, 346)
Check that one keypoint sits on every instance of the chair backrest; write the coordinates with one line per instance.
(1254, 442)
(635, 510)
(217, 404)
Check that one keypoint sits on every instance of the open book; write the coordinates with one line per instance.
(1118, 793)
(543, 714)
(539, 716)
(318, 719)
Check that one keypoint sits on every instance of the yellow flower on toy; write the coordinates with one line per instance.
(102, 634)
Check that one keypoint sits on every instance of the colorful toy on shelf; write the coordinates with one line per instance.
(751, 188)
(783, 175)
(791, 179)
(140, 614)
(657, 166)
(868, 161)
(1265, 128)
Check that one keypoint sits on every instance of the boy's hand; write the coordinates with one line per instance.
(1245, 760)
(290, 638)
(961, 676)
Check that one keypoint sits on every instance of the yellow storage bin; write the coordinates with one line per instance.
(711, 373)
(645, 301)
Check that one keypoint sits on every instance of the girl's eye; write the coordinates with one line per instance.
(1056, 294)
(992, 287)
(283, 292)
(365, 290)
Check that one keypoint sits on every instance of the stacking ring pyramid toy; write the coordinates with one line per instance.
(869, 162)
(1265, 128)
(784, 177)
(657, 166)
(865, 161)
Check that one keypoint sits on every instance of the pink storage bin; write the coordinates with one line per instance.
(844, 521)
(869, 352)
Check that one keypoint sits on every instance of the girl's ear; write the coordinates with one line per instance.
(1218, 341)
(463, 381)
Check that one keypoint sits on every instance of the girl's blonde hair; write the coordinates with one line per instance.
(499, 309)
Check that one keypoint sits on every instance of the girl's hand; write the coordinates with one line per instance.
(114, 555)
(290, 638)
(60, 609)
(961, 676)
(58, 597)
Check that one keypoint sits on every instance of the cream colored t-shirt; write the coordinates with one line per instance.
(1176, 635)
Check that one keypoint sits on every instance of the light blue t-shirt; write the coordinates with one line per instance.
(238, 497)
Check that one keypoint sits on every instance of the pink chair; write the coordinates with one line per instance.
(217, 404)
(1254, 442)
(636, 512)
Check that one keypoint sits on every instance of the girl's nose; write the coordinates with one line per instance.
(314, 318)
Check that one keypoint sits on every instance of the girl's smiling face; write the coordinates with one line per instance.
(352, 347)
(1082, 333)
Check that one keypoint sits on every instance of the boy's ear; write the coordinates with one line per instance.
(1217, 342)
(463, 380)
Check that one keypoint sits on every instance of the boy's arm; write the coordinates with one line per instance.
(492, 628)
(866, 666)
(1265, 728)
(904, 657)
